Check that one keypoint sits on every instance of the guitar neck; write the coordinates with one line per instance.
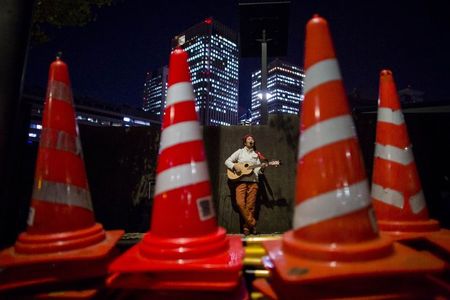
(254, 166)
(272, 163)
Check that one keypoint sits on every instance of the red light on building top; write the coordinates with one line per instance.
(208, 21)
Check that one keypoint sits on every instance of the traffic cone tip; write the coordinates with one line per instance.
(178, 67)
(386, 72)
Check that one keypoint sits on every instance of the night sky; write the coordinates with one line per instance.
(108, 59)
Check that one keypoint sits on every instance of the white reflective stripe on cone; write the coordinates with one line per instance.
(60, 140)
(390, 116)
(332, 204)
(398, 155)
(60, 91)
(417, 202)
(62, 193)
(182, 132)
(320, 73)
(182, 175)
(180, 92)
(387, 195)
(324, 133)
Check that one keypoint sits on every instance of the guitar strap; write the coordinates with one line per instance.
(261, 156)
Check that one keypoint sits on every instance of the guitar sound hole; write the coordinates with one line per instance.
(246, 165)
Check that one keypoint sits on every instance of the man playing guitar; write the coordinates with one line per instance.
(247, 185)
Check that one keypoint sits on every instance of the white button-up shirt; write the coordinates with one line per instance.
(245, 155)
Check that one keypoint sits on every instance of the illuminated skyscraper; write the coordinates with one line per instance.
(155, 91)
(284, 86)
(213, 62)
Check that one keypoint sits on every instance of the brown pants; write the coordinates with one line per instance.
(246, 201)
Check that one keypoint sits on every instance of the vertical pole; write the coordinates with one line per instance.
(264, 110)
(208, 99)
(15, 20)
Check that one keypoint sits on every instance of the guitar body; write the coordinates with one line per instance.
(246, 170)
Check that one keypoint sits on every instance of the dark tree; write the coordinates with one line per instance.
(62, 13)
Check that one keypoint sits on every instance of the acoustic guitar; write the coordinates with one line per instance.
(247, 169)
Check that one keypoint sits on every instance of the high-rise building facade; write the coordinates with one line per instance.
(284, 89)
(213, 62)
(155, 91)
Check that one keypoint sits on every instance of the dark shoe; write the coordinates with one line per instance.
(253, 230)
(246, 231)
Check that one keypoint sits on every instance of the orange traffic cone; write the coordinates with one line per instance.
(396, 189)
(397, 193)
(335, 240)
(62, 241)
(184, 249)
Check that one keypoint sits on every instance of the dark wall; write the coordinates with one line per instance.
(121, 164)
(431, 140)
